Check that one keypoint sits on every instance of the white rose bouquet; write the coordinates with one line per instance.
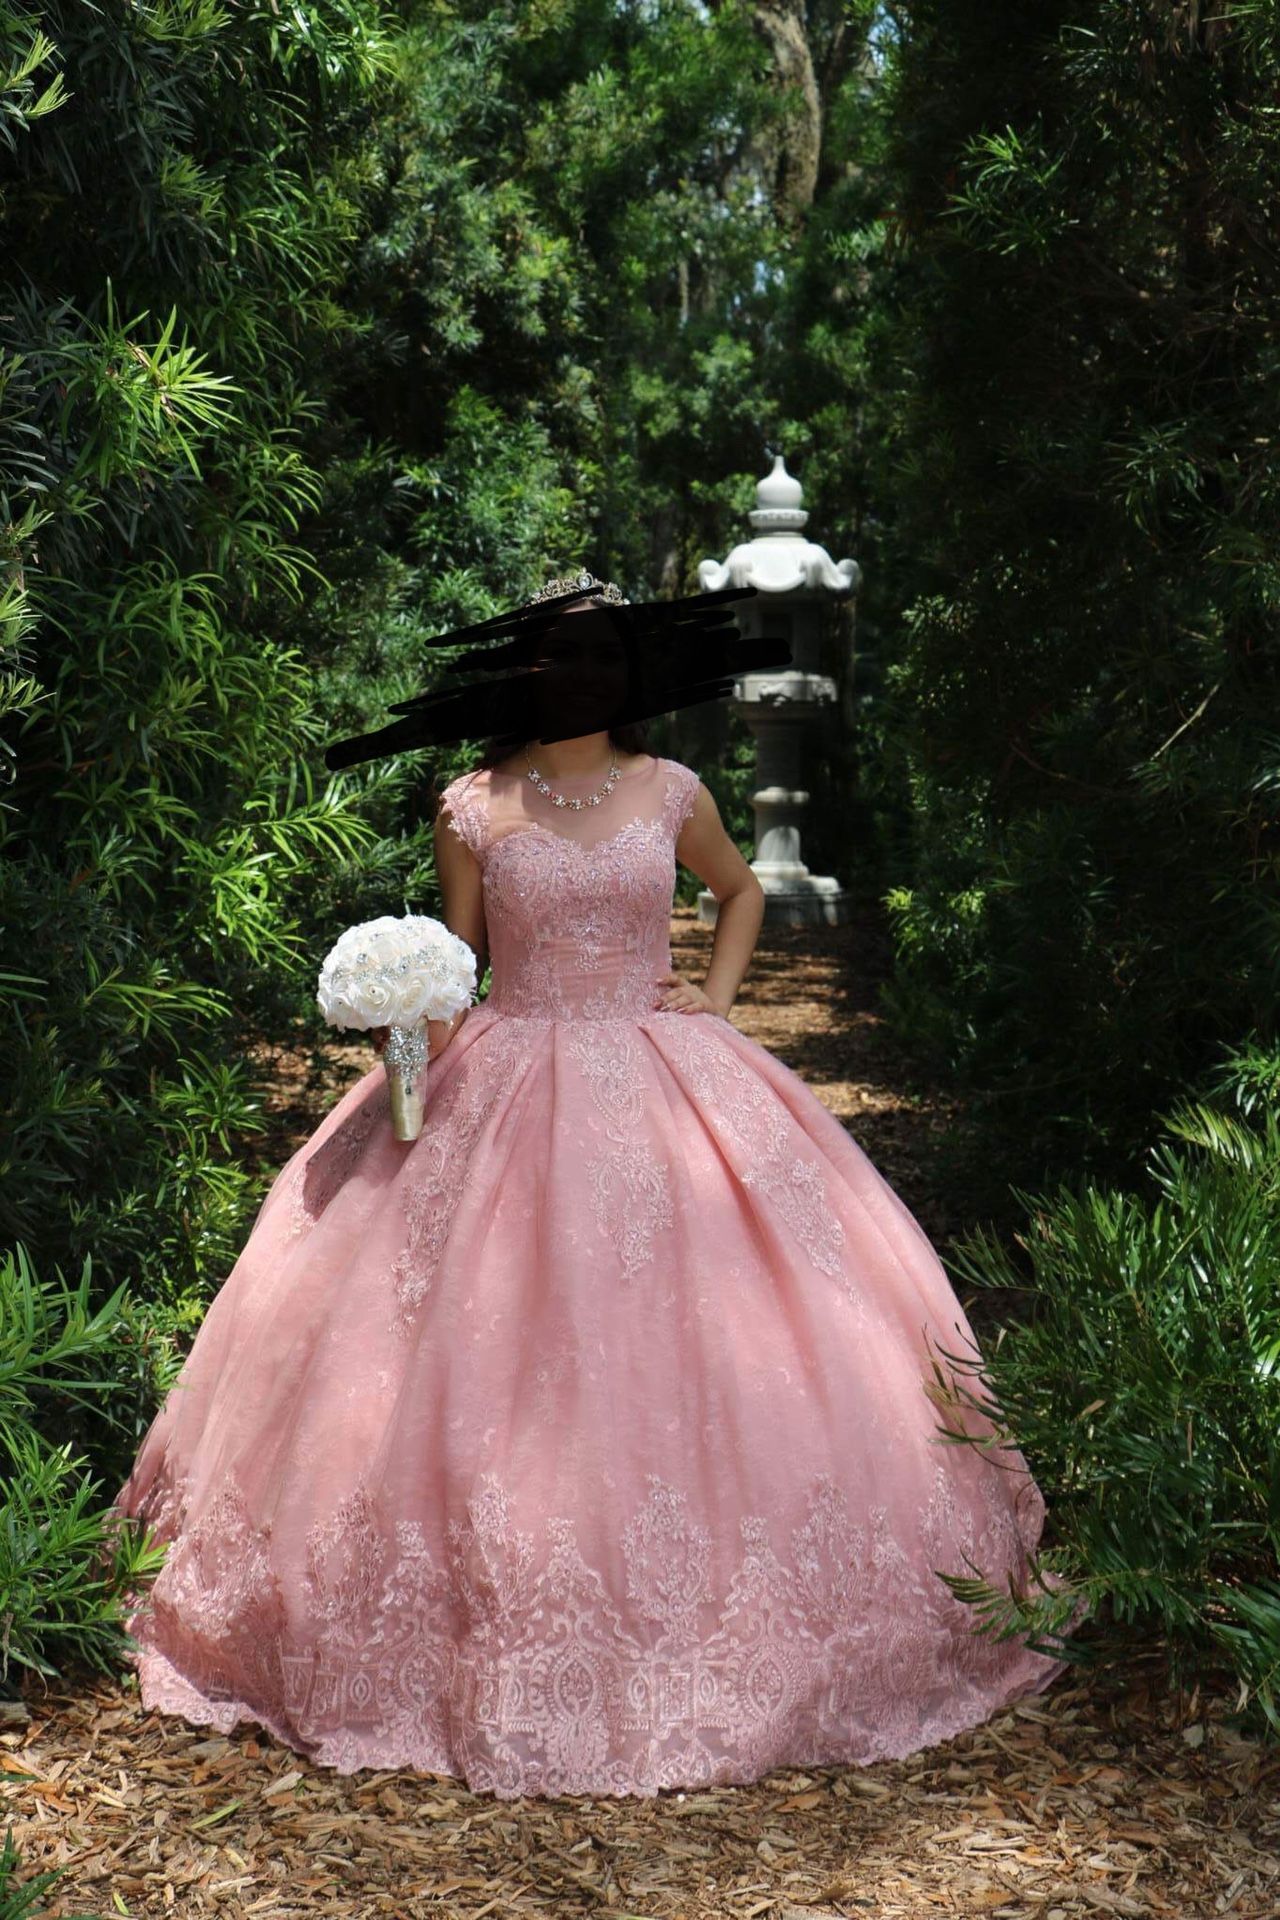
(398, 973)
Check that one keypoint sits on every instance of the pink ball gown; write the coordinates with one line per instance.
(580, 1446)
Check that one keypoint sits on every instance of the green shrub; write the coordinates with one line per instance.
(160, 817)
(1143, 1383)
(65, 1566)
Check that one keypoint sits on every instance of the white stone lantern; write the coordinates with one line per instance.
(796, 582)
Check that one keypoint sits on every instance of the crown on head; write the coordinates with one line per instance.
(582, 583)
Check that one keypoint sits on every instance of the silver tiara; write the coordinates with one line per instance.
(583, 582)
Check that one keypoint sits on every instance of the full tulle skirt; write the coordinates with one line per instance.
(583, 1445)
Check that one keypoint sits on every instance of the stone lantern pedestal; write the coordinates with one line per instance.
(796, 582)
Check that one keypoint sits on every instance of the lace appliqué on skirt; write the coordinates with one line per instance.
(436, 1170)
(322, 1173)
(758, 1121)
(505, 1658)
(630, 1187)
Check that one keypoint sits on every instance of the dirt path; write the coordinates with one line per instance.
(1090, 1800)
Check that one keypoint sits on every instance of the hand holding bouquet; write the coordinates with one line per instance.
(398, 973)
(439, 1034)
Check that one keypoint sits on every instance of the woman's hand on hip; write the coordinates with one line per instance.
(681, 996)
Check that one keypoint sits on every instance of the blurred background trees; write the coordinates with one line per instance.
(1084, 677)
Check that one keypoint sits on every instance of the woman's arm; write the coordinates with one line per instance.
(460, 875)
(462, 896)
(706, 849)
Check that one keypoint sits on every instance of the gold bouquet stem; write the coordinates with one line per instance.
(404, 1057)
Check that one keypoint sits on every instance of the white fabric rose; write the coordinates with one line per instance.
(394, 972)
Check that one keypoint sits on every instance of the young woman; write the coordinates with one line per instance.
(581, 1446)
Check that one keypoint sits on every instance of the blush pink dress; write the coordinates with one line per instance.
(582, 1445)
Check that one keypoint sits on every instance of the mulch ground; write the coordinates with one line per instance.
(1083, 1801)
(1103, 1796)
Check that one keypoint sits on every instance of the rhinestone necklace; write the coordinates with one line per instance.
(563, 800)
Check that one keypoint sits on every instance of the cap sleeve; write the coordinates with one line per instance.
(681, 792)
(463, 808)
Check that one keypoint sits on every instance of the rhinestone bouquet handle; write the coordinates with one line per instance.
(404, 1057)
(398, 973)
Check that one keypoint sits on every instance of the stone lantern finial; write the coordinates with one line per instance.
(779, 559)
(778, 498)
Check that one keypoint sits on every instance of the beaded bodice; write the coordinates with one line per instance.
(577, 903)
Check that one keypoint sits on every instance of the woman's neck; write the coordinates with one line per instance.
(585, 756)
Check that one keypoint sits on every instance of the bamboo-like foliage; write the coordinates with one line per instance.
(174, 213)
(1143, 1378)
(64, 1584)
